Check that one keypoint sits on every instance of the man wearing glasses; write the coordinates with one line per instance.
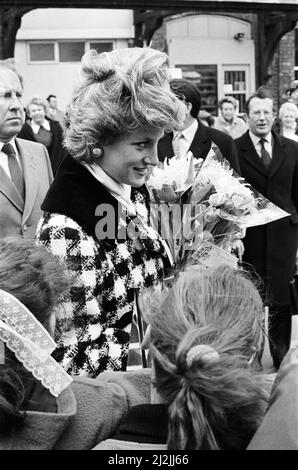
(269, 162)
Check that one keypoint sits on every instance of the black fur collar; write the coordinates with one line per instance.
(76, 194)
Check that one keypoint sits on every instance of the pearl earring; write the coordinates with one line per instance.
(98, 151)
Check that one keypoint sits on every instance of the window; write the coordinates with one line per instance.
(42, 52)
(101, 46)
(205, 78)
(236, 80)
(236, 84)
(64, 51)
(71, 51)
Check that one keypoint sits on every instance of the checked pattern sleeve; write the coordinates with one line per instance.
(88, 340)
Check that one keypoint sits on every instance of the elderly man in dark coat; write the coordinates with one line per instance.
(269, 162)
(195, 136)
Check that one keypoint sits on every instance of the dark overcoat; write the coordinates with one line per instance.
(56, 150)
(272, 248)
(201, 145)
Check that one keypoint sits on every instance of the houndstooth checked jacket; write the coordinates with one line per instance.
(94, 322)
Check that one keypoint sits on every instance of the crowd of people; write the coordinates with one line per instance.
(80, 263)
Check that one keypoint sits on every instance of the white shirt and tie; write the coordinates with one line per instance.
(182, 140)
(11, 164)
(264, 147)
(4, 157)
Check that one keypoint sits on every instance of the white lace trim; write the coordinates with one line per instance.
(14, 314)
(31, 343)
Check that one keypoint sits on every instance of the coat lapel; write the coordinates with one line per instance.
(278, 155)
(9, 190)
(248, 152)
(165, 147)
(29, 165)
(201, 143)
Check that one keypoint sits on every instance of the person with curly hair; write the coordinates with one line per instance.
(96, 215)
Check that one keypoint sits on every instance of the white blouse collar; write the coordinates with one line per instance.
(121, 192)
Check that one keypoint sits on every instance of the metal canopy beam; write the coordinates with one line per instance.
(179, 5)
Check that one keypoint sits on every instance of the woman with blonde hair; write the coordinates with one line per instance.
(96, 213)
(288, 115)
(206, 331)
(40, 128)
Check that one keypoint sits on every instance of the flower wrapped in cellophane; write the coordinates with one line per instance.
(209, 213)
(167, 185)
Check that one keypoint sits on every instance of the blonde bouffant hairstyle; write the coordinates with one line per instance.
(214, 401)
(119, 92)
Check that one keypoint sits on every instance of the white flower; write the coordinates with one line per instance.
(176, 172)
(211, 214)
(217, 199)
(240, 201)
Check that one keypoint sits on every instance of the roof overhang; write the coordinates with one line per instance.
(179, 5)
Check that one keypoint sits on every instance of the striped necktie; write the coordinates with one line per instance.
(15, 171)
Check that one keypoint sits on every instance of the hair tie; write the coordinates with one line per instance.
(201, 351)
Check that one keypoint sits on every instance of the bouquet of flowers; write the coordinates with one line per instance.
(200, 208)
(168, 186)
(170, 180)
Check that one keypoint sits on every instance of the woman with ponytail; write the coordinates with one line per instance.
(96, 216)
(205, 333)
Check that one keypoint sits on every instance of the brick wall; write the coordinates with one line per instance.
(159, 39)
(1, 38)
(283, 67)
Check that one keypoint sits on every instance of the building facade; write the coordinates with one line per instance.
(218, 51)
(51, 42)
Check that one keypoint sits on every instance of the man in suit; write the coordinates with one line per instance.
(195, 136)
(269, 162)
(53, 111)
(25, 168)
